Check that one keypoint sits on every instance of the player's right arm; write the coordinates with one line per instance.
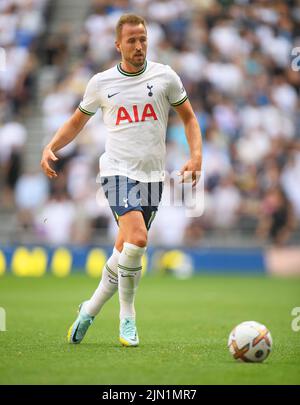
(63, 137)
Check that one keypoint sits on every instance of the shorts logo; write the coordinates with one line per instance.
(125, 201)
(124, 115)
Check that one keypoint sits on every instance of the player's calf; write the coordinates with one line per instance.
(129, 272)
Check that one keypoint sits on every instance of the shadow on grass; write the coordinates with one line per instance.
(88, 346)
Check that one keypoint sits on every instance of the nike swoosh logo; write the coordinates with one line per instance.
(111, 95)
(112, 280)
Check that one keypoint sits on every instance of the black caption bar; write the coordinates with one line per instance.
(132, 394)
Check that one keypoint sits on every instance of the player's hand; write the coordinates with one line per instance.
(191, 171)
(48, 156)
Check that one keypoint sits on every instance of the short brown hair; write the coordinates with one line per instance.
(128, 19)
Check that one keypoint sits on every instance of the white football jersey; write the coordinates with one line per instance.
(135, 108)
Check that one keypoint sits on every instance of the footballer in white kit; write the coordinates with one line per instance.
(135, 97)
(135, 108)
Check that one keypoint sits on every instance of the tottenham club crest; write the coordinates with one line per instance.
(150, 94)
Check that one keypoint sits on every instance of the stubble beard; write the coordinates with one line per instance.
(135, 63)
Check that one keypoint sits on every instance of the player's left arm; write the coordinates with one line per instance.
(194, 138)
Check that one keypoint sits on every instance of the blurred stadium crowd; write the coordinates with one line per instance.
(235, 60)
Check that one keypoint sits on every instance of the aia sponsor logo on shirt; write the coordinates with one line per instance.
(135, 115)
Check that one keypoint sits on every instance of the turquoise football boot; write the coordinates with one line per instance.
(79, 328)
(128, 333)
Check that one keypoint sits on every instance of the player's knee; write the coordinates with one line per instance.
(138, 237)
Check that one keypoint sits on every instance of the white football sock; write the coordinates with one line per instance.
(107, 286)
(129, 274)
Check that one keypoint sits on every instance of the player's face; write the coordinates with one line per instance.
(133, 44)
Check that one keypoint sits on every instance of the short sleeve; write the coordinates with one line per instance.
(176, 92)
(91, 102)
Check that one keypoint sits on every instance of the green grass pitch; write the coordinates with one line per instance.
(183, 327)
